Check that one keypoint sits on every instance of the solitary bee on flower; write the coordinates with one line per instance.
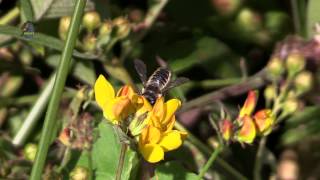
(158, 83)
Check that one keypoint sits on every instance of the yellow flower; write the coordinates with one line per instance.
(115, 107)
(153, 143)
(162, 115)
(159, 137)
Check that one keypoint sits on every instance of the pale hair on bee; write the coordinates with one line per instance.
(159, 82)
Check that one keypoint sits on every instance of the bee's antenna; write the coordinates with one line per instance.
(161, 62)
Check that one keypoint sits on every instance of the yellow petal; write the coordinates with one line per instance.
(247, 133)
(264, 120)
(103, 91)
(149, 135)
(249, 104)
(226, 129)
(152, 153)
(122, 107)
(159, 108)
(171, 107)
(171, 140)
(108, 112)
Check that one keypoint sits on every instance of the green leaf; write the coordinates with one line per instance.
(205, 51)
(302, 125)
(173, 170)
(84, 70)
(26, 10)
(40, 7)
(313, 16)
(61, 8)
(42, 39)
(106, 152)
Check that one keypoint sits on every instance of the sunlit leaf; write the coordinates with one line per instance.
(42, 39)
(313, 15)
(40, 7)
(173, 170)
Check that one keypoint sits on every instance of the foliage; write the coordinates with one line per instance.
(72, 105)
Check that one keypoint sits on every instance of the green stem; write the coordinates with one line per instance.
(207, 151)
(298, 12)
(53, 107)
(34, 115)
(254, 82)
(11, 15)
(212, 158)
(90, 164)
(259, 156)
(121, 160)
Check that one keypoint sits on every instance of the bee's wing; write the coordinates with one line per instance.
(141, 70)
(176, 82)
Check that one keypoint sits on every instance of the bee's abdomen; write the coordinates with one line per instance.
(160, 78)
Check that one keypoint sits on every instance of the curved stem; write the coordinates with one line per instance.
(62, 72)
(213, 157)
(207, 151)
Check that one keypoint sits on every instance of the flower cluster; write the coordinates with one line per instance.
(248, 125)
(151, 126)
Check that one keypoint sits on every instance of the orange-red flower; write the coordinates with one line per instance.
(264, 120)
(226, 127)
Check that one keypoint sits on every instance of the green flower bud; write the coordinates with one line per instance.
(248, 20)
(122, 26)
(270, 92)
(30, 151)
(79, 173)
(275, 67)
(290, 106)
(295, 63)
(64, 26)
(91, 20)
(89, 43)
(303, 82)
(105, 28)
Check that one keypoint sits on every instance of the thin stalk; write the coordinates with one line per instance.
(10, 16)
(210, 161)
(254, 82)
(207, 151)
(34, 115)
(298, 13)
(53, 107)
(258, 161)
(121, 160)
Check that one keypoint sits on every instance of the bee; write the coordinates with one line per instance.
(158, 83)
(28, 30)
